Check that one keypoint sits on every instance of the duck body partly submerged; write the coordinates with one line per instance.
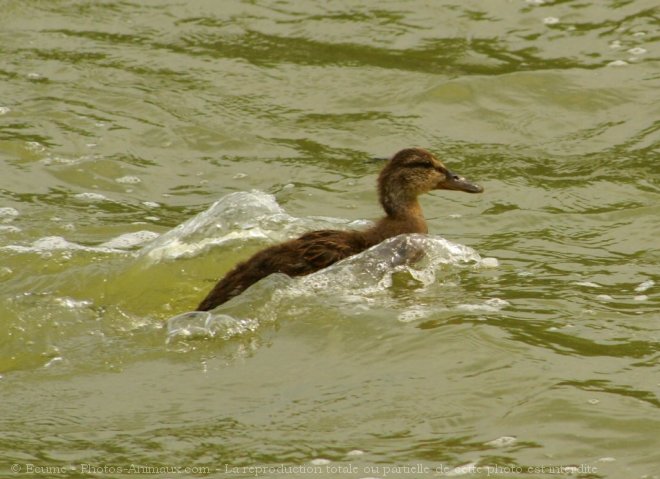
(408, 174)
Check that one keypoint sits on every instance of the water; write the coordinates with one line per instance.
(523, 344)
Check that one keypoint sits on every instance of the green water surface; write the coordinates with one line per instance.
(121, 117)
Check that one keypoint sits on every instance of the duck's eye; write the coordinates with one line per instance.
(420, 164)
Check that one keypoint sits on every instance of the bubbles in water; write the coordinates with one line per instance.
(58, 160)
(131, 180)
(414, 313)
(617, 63)
(551, 20)
(4, 110)
(71, 303)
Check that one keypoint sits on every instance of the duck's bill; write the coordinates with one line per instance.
(457, 182)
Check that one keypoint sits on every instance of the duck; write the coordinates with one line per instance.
(407, 174)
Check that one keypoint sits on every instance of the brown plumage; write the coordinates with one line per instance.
(408, 174)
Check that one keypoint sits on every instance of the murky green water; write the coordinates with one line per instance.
(121, 120)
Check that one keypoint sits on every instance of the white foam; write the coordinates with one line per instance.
(58, 160)
(489, 262)
(54, 243)
(131, 180)
(91, 197)
(503, 441)
(355, 452)
(490, 305)
(637, 51)
(34, 146)
(645, 286)
(9, 213)
(617, 63)
(130, 240)
(604, 297)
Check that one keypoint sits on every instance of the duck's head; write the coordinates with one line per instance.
(415, 171)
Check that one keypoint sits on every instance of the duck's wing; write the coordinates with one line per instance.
(322, 248)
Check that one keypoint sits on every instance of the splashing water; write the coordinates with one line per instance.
(364, 276)
(233, 218)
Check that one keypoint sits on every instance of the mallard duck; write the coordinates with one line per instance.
(408, 174)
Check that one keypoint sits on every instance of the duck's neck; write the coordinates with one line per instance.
(402, 217)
